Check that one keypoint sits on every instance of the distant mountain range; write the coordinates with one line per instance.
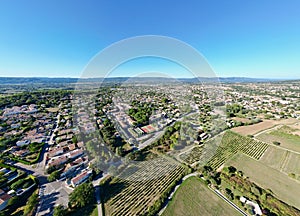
(41, 80)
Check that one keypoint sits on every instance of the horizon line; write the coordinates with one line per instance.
(49, 77)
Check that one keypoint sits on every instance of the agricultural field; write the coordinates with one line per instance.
(292, 166)
(141, 186)
(283, 187)
(219, 150)
(192, 155)
(193, 197)
(284, 135)
(266, 124)
(282, 160)
(274, 157)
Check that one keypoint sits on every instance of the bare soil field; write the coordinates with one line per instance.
(283, 187)
(53, 109)
(266, 124)
(244, 120)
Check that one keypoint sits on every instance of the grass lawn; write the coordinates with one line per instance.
(195, 198)
(95, 212)
(283, 187)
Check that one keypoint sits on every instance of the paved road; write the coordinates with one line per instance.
(97, 193)
(229, 202)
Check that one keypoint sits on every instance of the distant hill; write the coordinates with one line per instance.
(46, 80)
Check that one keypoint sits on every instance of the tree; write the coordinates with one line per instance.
(82, 195)
(53, 176)
(31, 203)
(60, 211)
(74, 139)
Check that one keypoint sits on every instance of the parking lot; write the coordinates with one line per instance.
(52, 194)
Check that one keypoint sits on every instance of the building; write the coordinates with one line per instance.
(148, 129)
(57, 161)
(76, 153)
(4, 198)
(71, 167)
(55, 152)
(23, 142)
(82, 177)
(256, 208)
(21, 153)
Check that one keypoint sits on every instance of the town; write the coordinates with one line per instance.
(57, 144)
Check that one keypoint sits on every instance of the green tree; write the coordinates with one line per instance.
(31, 203)
(60, 211)
(82, 196)
(53, 176)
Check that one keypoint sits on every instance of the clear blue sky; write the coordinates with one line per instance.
(57, 38)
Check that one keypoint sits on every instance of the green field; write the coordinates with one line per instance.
(195, 198)
(274, 157)
(284, 136)
(283, 187)
(292, 165)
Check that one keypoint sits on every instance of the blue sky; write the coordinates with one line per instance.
(259, 38)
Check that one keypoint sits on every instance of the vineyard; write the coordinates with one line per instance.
(216, 151)
(140, 188)
(193, 155)
(233, 143)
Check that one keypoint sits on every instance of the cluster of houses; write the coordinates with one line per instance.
(28, 124)
(26, 109)
(7, 191)
(4, 198)
(275, 100)
(66, 154)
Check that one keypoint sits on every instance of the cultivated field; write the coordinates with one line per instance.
(192, 155)
(231, 144)
(285, 135)
(283, 187)
(274, 157)
(194, 198)
(282, 160)
(140, 186)
(292, 165)
(266, 124)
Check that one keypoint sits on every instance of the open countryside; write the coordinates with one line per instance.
(195, 198)
(280, 185)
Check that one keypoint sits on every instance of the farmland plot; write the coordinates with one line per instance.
(138, 187)
(231, 144)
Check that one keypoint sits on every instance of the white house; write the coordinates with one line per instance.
(23, 142)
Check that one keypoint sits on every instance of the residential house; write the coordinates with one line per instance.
(4, 198)
(82, 177)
